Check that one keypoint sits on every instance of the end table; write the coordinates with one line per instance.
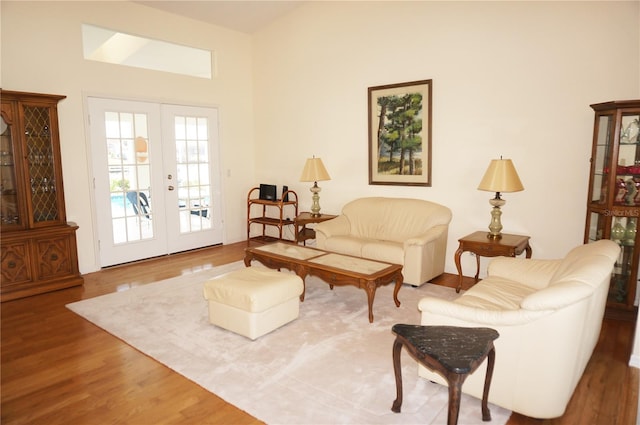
(483, 246)
(452, 352)
(302, 232)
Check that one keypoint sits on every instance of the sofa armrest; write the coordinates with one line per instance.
(477, 316)
(336, 226)
(530, 272)
(429, 236)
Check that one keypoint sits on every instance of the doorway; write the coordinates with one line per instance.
(156, 171)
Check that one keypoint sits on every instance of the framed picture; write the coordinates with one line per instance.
(400, 134)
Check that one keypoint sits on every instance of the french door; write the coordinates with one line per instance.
(156, 178)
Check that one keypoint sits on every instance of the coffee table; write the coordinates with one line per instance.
(335, 269)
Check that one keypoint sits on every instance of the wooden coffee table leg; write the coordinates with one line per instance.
(302, 273)
(370, 287)
(399, 279)
(397, 348)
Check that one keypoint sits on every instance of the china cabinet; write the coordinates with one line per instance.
(613, 204)
(38, 246)
(266, 213)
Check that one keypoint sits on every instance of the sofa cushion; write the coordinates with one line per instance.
(580, 256)
(587, 270)
(495, 293)
(391, 252)
(379, 218)
(345, 245)
(535, 273)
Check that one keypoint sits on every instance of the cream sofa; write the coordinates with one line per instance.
(548, 314)
(411, 232)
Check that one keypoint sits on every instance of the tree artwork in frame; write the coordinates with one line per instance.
(400, 134)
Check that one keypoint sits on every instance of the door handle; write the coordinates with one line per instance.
(171, 188)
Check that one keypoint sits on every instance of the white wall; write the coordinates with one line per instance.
(509, 78)
(42, 52)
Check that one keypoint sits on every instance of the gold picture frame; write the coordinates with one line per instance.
(400, 134)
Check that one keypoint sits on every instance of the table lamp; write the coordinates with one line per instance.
(501, 176)
(314, 171)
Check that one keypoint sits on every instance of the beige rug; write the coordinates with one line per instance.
(330, 366)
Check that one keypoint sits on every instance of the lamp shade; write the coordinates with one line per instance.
(501, 176)
(314, 171)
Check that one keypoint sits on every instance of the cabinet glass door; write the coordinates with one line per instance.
(39, 151)
(622, 230)
(9, 212)
(628, 165)
(597, 225)
(601, 159)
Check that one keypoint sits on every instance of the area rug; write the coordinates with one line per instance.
(330, 366)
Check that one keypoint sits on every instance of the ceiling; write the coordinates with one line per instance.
(239, 15)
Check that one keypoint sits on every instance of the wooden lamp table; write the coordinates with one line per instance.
(302, 231)
(483, 246)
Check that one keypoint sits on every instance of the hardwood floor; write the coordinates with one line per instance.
(57, 368)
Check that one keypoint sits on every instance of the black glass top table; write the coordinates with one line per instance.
(453, 352)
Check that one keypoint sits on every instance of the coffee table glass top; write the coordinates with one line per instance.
(344, 262)
(292, 251)
(325, 258)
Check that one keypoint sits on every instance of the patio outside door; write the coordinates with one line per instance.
(156, 178)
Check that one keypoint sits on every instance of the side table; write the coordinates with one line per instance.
(483, 246)
(302, 231)
(452, 352)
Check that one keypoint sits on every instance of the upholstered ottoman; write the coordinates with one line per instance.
(253, 301)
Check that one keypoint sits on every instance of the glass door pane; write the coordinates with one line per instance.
(40, 158)
(628, 166)
(192, 164)
(9, 212)
(601, 159)
(129, 176)
(623, 232)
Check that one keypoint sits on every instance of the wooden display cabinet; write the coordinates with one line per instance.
(38, 252)
(267, 213)
(613, 204)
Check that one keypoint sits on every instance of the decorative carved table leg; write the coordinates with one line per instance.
(370, 288)
(399, 279)
(302, 272)
(491, 358)
(456, 257)
(397, 348)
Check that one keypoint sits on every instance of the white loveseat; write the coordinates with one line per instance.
(410, 232)
(548, 314)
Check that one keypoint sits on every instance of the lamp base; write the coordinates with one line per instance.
(495, 227)
(315, 200)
